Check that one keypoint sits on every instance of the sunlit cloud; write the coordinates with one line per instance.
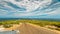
(32, 8)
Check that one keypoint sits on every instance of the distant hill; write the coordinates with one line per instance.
(29, 19)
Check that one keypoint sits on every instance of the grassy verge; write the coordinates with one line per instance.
(9, 23)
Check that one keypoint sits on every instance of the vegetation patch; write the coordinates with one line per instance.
(9, 23)
(49, 23)
(43, 23)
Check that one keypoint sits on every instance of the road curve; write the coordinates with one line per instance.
(30, 29)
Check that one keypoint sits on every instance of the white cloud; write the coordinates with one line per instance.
(30, 7)
(55, 12)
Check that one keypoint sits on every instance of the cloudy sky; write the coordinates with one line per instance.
(30, 9)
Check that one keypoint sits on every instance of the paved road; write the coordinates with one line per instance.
(30, 29)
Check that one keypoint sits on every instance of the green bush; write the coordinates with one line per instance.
(7, 25)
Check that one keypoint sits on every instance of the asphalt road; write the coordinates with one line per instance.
(31, 29)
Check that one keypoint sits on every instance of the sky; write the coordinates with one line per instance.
(30, 9)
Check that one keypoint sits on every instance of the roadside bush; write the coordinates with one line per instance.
(7, 26)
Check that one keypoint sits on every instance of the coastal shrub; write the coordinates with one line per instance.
(7, 26)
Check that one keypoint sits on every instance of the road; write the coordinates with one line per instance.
(31, 29)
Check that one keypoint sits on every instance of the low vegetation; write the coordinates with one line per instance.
(9, 23)
(44, 23)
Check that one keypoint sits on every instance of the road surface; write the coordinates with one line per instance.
(30, 29)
